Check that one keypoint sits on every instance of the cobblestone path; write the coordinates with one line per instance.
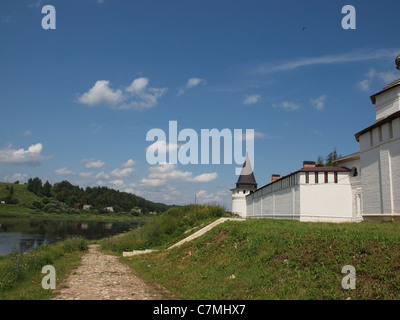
(103, 277)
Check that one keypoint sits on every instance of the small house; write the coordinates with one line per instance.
(78, 206)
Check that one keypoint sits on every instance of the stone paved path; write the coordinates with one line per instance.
(103, 277)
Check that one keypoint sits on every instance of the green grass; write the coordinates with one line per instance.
(277, 259)
(25, 197)
(20, 274)
(165, 229)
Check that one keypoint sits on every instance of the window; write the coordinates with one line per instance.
(316, 177)
(335, 177)
(390, 129)
(355, 172)
(307, 177)
(380, 134)
(326, 177)
(371, 140)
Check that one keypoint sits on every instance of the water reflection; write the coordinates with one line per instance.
(25, 234)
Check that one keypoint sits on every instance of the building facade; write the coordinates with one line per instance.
(363, 186)
(380, 157)
(312, 193)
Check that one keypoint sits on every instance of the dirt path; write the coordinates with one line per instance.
(103, 277)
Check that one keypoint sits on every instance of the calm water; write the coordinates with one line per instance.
(25, 233)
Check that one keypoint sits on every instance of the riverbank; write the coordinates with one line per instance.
(15, 211)
(20, 274)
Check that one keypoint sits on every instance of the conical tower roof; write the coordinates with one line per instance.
(246, 179)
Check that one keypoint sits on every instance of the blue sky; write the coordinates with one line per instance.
(77, 102)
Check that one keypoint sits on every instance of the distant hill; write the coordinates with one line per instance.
(64, 196)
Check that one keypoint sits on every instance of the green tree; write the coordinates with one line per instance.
(11, 200)
(329, 159)
(35, 186)
(47, 189)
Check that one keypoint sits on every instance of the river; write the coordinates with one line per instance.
(25, 233)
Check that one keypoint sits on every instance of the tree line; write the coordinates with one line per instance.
(97, 197)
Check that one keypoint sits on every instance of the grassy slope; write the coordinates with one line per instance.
(275, 259)
(21, 192)
(166, 229)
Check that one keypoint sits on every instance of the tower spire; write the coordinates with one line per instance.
(246, 179)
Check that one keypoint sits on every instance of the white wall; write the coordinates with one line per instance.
(387, 103)
(278, 200)
(239, 202)
(380, 166)
(331, 202)
(304, 201)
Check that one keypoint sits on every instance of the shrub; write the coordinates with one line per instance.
(18, 266)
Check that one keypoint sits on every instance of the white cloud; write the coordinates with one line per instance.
(158, 193)
(117, 182)
(286, 105)
(372, 75)
(192, 82)
(205, 177)
(365, 85)
(257, 134)
(165, 173)
(128, 164)
(85, 174)
(138, 85)
(101, 183)
(141, 97)
(21, 177)
(206, 197)
(32, 156)
(135, 96)
(93, 164)
(122, 173)
(161, 147)
(254, 98)
(102, 175)
(26, 133)
(101, 93)
(36, 4)
(316, 132)
(353, 56)
(153, 182)
(319, 103)
(64, 171)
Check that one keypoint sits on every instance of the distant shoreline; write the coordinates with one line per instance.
(78, 216)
